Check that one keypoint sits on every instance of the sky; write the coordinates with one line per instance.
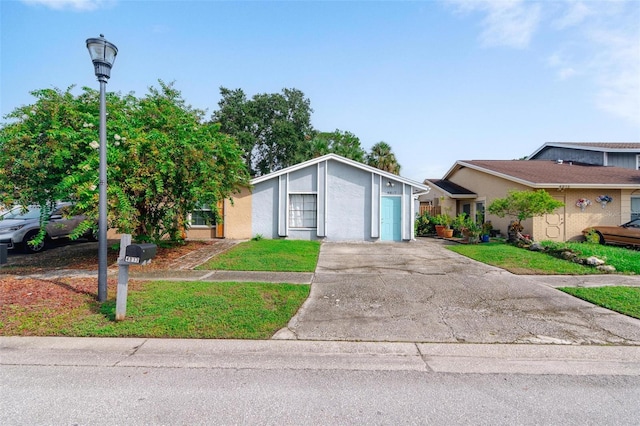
(439, 80)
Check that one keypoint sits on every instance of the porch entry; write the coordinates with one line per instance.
(391, 219)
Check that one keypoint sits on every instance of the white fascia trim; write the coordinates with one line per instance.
(341, 160)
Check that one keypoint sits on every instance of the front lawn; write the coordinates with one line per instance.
(520, 261)
(268, 255)
(625, 260)
(67, 307)
(525, 262)
(625, 300)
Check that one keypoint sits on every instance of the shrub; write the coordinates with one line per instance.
(592, 237)
(424, 224)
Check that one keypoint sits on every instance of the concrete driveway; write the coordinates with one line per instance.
(421, 292)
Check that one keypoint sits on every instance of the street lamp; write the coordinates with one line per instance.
(103, 54)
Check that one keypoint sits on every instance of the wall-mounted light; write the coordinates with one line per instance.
(390, 184)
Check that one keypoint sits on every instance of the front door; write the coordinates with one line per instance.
(391, 218)
(554, 223)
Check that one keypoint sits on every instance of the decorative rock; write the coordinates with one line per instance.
(568, 255)
(606, 268)
(536, 247)
(594, 261)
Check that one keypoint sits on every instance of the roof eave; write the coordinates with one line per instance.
(494, 173)
(578, 145)
(343, 160)
(562, 186)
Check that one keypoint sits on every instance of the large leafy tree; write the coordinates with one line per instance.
(382, 157)
(163, 161)
(273, 129)
(522, 205)
(338, 142)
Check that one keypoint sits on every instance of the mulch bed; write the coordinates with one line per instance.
(18, 289)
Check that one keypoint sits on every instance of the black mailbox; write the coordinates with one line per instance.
(140, 253)
(3, 253)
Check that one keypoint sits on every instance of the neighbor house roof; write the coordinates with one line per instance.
(416, 185)
(551, 174)
(451, 189)
(593, 146)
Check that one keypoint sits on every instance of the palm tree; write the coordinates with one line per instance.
(318, 147)
(383, 158)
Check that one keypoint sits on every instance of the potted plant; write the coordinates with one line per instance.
(487, 227)
(446, 222)
(603, 200)
(473, 230)
(438, 223)
(460, 224)
(583, 203)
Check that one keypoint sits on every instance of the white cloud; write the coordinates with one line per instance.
(566, 73)
(596, 40)
(604, 45)
(565, 68)
(510, 23)
(77, 5)
(616, 70)
(576, 12)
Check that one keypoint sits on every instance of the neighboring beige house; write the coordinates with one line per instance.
(236, 219)
(470, 186)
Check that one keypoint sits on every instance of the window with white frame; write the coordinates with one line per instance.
(203, 217)
(635, 208)
(303, 211)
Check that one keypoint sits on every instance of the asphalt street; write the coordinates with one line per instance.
(57, 380)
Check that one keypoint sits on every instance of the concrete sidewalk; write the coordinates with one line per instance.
(604, 280)
(221, 276)
(306, 355)
(190, 275)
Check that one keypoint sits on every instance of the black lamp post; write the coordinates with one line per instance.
(103, 54)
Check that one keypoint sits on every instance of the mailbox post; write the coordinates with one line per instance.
(3, 254)
(130, 254)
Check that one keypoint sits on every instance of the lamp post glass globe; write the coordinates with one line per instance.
(103, 54)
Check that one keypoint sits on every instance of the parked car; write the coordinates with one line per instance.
(18, 227)
(625, 234)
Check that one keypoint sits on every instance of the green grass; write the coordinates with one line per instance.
(625, 300)
(171, 309)
(625, 260)
(521, 261)
(268, 255)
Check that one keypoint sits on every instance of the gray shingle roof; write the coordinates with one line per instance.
(450, 187)
(543, 173)
(633, 146)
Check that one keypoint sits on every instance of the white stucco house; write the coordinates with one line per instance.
(327, 198)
